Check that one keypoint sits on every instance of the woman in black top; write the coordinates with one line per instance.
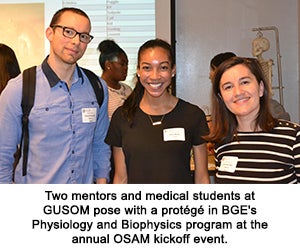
(153, 133)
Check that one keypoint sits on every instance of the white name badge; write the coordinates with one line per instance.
(228, 164)
(174, 134)
(88, 115)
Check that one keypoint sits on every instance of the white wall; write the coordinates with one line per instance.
(163, 19)
(207, 27)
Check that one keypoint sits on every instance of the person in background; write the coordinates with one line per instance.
(277, 110)
(66, 125)
(153, 133)
(9, 66)
(250, 145)
(113, 61)
(213, 65)
(114, 64)
(217, 60)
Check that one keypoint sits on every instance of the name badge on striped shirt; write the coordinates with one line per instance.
(228, 164)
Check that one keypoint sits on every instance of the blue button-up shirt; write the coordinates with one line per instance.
(66, 129)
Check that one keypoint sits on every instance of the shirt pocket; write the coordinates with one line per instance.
(50, 119)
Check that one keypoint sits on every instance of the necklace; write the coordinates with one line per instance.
(157, 122)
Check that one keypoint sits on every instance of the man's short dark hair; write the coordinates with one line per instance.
(219, 58)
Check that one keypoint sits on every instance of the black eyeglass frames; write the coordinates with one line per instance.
(71, 33)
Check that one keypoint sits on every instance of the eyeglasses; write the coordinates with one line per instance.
(71, 33)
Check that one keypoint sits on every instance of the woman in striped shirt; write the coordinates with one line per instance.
(113, 61)
(250, 145)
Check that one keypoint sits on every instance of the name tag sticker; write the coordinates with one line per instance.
(88, 115)
(174, 134)
(228, 164)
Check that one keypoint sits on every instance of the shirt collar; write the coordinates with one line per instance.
(51, 76)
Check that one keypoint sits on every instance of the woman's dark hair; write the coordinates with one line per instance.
(224, 123)
(109, 51)
(131, 104)
(56, 17)
(9, 66)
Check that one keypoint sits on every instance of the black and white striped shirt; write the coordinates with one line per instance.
(272, 157)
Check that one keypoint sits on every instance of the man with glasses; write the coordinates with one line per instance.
(67, 126)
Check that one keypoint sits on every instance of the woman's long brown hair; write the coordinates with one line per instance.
(224, 123)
